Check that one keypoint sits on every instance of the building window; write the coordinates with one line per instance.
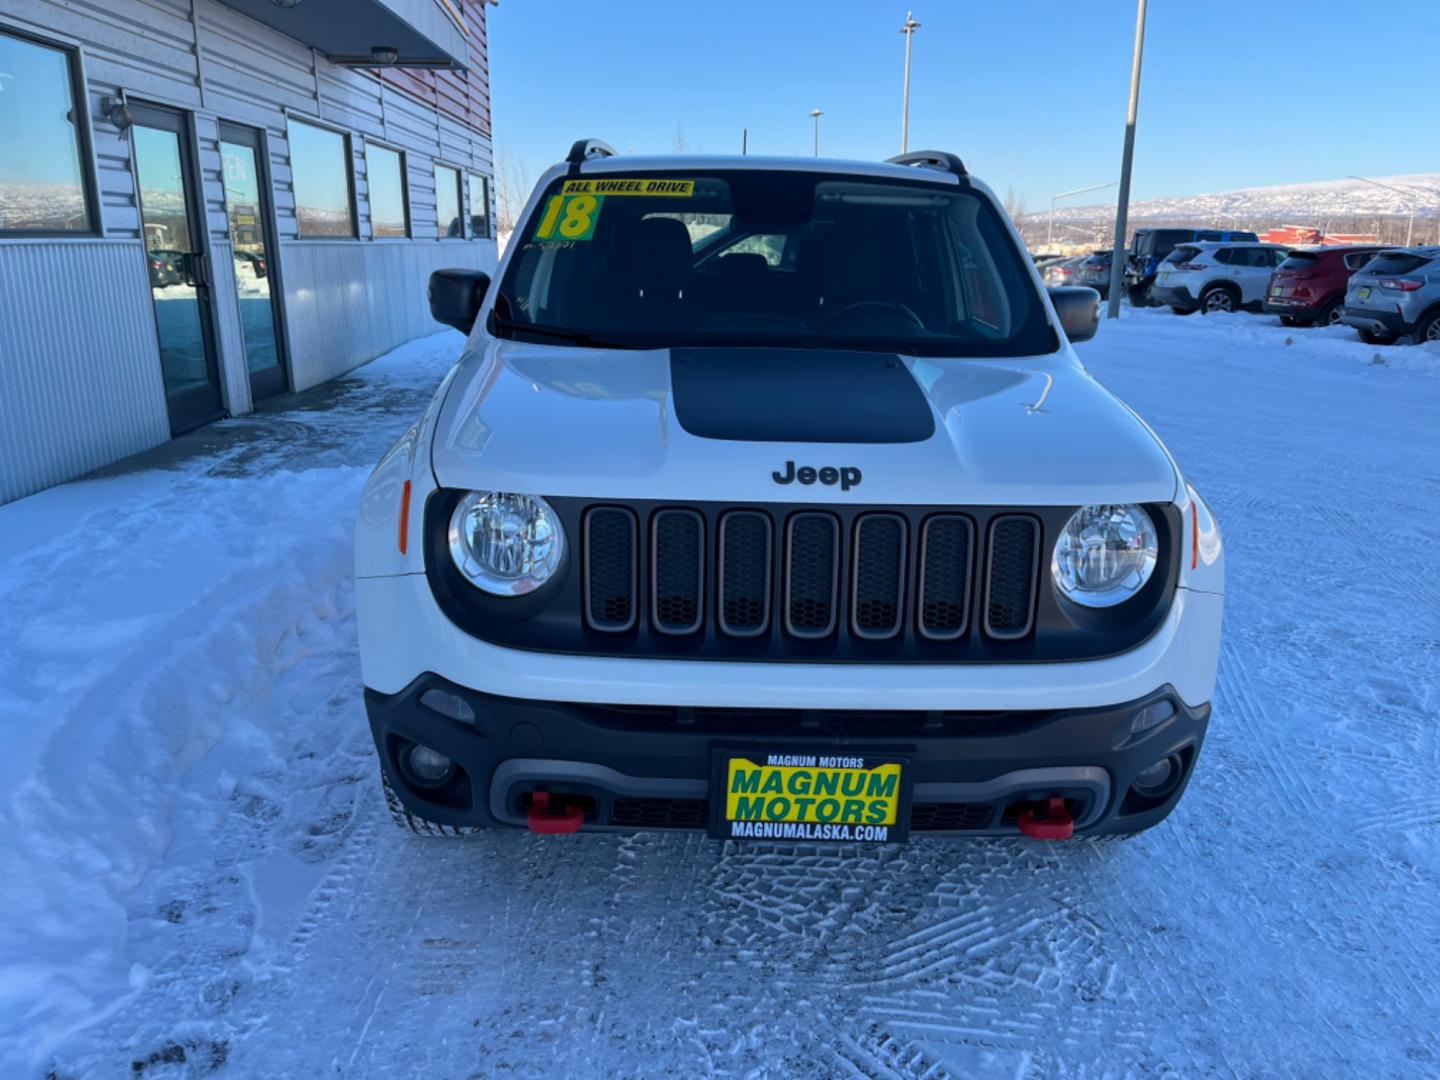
(479, 207)
(43, 183)
(447, 202)
(385, 177)
(320, 169)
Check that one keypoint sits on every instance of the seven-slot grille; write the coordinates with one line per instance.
(891, 572)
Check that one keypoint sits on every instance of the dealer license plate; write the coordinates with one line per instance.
(1364, 292)
(808, 796)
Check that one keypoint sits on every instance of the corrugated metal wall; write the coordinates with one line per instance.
(73, 319)
(207, 59)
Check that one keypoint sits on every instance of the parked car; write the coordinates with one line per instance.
(1149, 247)
(1309, 286)
(166, 267)
(1062, 271)
(767, 621)
(1094, 272)
(1395, 294)
(1216, 276)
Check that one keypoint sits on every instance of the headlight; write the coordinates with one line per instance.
(504, 543)
(1105, 555)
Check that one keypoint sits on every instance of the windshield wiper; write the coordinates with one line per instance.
(565, 333)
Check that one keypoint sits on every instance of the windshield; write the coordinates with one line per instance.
(751, 257)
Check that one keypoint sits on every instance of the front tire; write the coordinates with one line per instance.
(1217, 298)
(1139, 296)
(412, 822)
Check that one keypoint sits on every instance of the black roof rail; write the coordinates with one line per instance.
(932, 159)
(586, 150)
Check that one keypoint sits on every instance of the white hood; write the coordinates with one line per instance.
(602, 424)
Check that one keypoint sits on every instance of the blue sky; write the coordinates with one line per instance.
(1031, 93)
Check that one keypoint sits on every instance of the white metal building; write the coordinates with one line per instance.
(205, 203)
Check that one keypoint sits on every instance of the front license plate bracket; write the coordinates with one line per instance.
(809, 795)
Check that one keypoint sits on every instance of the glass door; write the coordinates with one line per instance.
(247, 203)
(175, 258)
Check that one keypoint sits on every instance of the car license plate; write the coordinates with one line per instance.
(1278, 291)
(1364, 292)
(1165, 275)
(809, 795)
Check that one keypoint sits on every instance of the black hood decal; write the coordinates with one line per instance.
(798, 395)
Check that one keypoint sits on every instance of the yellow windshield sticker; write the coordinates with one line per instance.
(619, 186)
(569, 217)
(820, 794)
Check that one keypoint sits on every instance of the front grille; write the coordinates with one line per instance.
(873, 578)
(950, 816)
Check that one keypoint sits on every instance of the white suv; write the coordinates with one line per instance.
(769, 498)
(1210, 275)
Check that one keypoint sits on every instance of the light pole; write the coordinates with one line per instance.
(815, 115)
(1410, 228)
(909, 31)
(1050, 230)
(1122, 204)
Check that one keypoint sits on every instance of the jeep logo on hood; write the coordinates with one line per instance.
(847, 476)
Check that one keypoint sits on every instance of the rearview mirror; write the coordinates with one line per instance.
(1079, 311)
(456, 296)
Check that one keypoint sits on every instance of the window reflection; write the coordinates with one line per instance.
(319, 164)
(447, 201)
(479, 207)
(252, 265)
(384, 174)
(41, 184)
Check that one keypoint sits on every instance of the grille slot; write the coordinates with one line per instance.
(947, 552)
(610, 568)
(1010, 576)
(745, 561)
(812, 575)
(677, 575)
(659, 813)
(877, 590)
(951, 816)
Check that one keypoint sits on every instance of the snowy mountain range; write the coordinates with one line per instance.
(1326, 203)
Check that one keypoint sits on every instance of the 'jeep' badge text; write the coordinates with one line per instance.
(847, 476)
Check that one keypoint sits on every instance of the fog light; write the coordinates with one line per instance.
(1159, 779)
(429, 766)
(1151, 716)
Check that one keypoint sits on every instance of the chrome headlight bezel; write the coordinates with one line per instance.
(1140, 553)
(533, 571)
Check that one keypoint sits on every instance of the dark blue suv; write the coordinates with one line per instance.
(1148, 248)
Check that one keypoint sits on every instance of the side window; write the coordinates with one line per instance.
(1225, 255)
(1277, 257)
(770, 245)
(320, 172)
(43, 186)
(1355, 260)
(385, 177)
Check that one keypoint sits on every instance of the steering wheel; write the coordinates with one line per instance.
(888, 306)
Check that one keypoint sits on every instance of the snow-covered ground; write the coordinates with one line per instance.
(197, 873)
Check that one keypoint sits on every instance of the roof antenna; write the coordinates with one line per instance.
(744, 141)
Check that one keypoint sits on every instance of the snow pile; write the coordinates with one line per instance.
(146, 618)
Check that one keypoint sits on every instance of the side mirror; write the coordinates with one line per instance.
(456, 296)
(1079, 311)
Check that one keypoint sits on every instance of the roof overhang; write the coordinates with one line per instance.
(424, 33)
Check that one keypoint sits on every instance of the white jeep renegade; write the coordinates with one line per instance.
(769, 498)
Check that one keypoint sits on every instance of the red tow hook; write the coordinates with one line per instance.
(541, 820)
(1057, 824)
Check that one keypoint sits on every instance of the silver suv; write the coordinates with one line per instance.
(1395, 294)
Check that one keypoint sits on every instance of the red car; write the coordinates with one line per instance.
(1308, 288)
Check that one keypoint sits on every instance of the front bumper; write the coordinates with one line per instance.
(648, 767)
